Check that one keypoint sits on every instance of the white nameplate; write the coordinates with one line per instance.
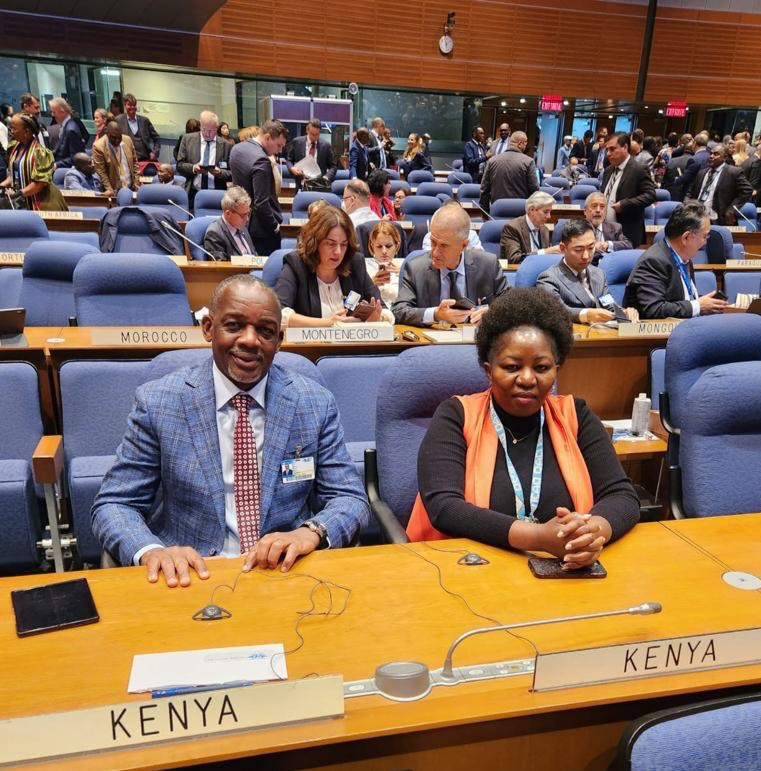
(147, 336)
(566, 207)
(14, 258)
(369, 332)
(648, 328)
(744, 263)
(143, 722)
(296, 222)
(610, 664)
(653, 228)
(469, 333)
(81, 194)
(178, 259)
(61, 215)
(248, 260)
(738, 229)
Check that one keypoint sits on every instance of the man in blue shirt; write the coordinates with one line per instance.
(82, 176)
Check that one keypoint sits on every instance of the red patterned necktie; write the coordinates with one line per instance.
(245, 475)
(311, 149)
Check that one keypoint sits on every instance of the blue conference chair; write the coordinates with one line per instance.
(133, 232)
(421, 175)
(661, 194)
(338, 186)
(274, 266)
(705, 282)
(411, 388)
(457, 178)
(124, 197)
(663, 210)
(162, 197)
(507, 208)
(208, 203)
(10, 287)
(557, 231)
(59, 176)
(580, 192)
(392, 173)
(130, 290)
(302, 200)
(490, 235)
(47, 291)
(342, 174)
(21, 429)
(420, 208)
(703, 736)
(19, 228)
(532, 266)
(457, 164)
(560, 182)
(656, 364)
(435, 188)
(650, 215)
(195, 230)
(747, 283)
(617, 267)
(469, 192)
(593, 182)
(398, 184)
(749, 220)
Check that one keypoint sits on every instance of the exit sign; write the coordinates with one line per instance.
(676, 109)
(552, 104)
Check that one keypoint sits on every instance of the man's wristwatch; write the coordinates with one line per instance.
(316, 527)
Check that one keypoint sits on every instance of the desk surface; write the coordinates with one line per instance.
(397, 611)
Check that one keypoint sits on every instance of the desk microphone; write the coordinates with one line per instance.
(463, 182)
(753, 226)
(185, 238)
(184, 211)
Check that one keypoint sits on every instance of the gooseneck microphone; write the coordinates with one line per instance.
(185, 238)
(750, 222)
(184, 211)
(463, 182)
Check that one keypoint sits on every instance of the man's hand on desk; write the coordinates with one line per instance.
(289, 546)
(445, 312)
(478, 314)
(175, 563)
(711, 304)
(595, 315)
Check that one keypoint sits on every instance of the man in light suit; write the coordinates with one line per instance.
(73, 136)
(628, 188)
(274, 486)
(609, 236)
(204, 158)
(113, 156)
(431, 284)
(319, 149)
(721, 188)
(251, 165)
(661, 284)
(229, 234)
(578, 284)
(140, 130)
(528, 234)
(511, 174)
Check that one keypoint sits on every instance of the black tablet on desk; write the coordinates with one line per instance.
(53, 606)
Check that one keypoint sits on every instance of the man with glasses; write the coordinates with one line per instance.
(356, 203)
(204, 158)
(229, 234)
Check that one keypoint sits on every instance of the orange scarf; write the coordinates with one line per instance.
(481, 439)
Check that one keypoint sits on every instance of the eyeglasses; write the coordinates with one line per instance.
(348, 197)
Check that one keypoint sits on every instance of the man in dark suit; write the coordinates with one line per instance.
(609, 236)
(140, 130)
(598, 159)
(752, 170)
(628, 188)
(694, 165)
(72, 138)
(30, 104)
(583, 147)
(229, 234)
(204, 158)
(475, 154)
(528, 234)
(511, 174)
(661, 284)
(378, 146)
(358, 155)
(721, 188)
(676, 168)
(432, 283)
(251, 165)
(312, 145)
(576, 282)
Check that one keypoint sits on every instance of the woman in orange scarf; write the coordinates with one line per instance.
(514, 465)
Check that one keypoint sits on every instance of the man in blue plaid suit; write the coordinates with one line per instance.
(170, 498)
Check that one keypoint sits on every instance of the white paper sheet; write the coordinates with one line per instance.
(309, 166)
(212, 666)
(443, 335)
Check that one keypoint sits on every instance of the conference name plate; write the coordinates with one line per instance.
(61, 215)
(368, 332)
(648, 328)
(178, 259)
(115, 336)
(12, 258)
(248, 260)
(134, 723)
(631, 661)
(744, 263)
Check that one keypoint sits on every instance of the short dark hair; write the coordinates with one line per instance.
(274, 128)
(588, 134)
(27, 98)
(672, 139)
(525, 308)
(239, 278)
(650, 145)
(687, 217)
(638, 135)
(377, 181)
(473, 133)
(622, 139)
(575, 227)
(130, 98)
(315, 123)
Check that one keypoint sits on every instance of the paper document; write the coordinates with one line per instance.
(309, 166)
(212, 666)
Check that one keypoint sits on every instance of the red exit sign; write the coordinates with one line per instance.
(676, 109)
(552, 104)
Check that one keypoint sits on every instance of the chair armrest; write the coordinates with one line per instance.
(47, 460)
(391, 527)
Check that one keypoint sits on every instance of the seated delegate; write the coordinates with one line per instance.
(528, 234)
(576, 282)
(432, 283)
(319, 275)
(384, 244)
(482, 452)
(192, 480)
(228, 235)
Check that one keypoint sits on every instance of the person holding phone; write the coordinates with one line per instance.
(384, 244)
(322, 272)
(515, 466)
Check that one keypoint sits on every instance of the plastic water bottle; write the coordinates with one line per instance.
(640, 415)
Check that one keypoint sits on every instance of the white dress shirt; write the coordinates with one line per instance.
(198, 180)
(429, 313)
(501, 146)
(474, 242)
(535, 234)
(612, 190)
(607, 246)
(706, 194)
(331, 297)
(365, 214)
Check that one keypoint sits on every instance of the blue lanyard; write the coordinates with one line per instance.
(536, 474)
(683, 270)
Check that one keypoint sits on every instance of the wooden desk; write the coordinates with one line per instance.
(627, 449)
(398, 611)
(75, 198)
(719, 268)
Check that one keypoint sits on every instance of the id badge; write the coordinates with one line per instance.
(297, 470)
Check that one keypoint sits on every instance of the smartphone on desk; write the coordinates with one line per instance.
(464, 304)
(552, 567)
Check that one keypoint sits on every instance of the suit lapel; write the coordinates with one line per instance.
(432, 287)
(573, 284)
(525, 232)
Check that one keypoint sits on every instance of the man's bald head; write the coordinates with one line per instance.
(83, 163)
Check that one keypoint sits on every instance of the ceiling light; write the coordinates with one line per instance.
(503, 104)
(110, 73)
(565, 103)
(610, 117)
(687, 108)
(660, 112)
(646, 107)
(522, 100)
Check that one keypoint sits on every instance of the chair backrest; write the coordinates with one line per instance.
(469, 192)
(393, 174)
(131, 290)
(593, 181)
(720, 444)
(435, 188)
(397, 184)
(663, 210)
(421, 175)
(342, 174)
(19, 228)
(580, 192)
(555, 192)
(507, 208)
(354, 381)
(363, 237)
(532, 266)
(303, 199)
(419, 208)
(557, 182)
(133, 235)
(59, 176)
(124, 197)
(195, 230)
(705, 282)
(618, 266)
(88, 239)
(650, 215)
(273, 266)
(657, 363)
(557, 231)
(413, 387)
(338, 186)
(47, 291)
(750, 212)
(457, 178)
(161, 195)
(490, 235)
(703, 342)
(747, 283)
(457, 163)
(10, 287)
(661, 194)
(208, 203)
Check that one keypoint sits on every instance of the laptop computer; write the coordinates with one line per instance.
(12, 321)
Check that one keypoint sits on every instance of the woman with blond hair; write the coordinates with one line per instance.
(414, 159)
